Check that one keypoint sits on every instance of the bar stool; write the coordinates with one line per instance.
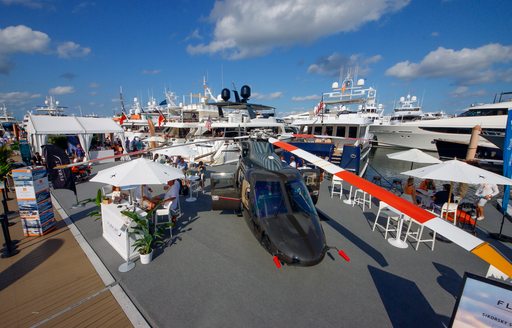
(392, 218)
(417, 234)
(361, 197)
(336, 182)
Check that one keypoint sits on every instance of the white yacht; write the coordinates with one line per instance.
(345, 114)
(408, 109)
(421, 133)
(6, 119)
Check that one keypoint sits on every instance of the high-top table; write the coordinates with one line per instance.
(192, 181)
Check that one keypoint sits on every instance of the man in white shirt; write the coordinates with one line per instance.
(292, 162)
(485, 192)
(172, 196)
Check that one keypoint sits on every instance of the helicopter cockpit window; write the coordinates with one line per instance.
(269, 199)
(300, 199)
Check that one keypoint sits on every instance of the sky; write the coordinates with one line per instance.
(448, 53)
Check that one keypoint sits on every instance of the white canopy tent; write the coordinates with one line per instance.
(39, 127)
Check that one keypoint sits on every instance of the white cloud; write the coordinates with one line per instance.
(151, 71)
(71, 49)
(252, 28)
(434, 34)
(15, 39)
(83, 6)
(466, 66)
(195, 35)
(464, 92)
(267, 96)
(306, 98)
(22, 39)
(332, 64)
(62, 90)
(17, 98)
(25, 3)
(94, 85)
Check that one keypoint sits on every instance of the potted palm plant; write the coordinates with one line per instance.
(148, 237)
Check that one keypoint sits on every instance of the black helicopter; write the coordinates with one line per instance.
(273, 198)
(275, 203)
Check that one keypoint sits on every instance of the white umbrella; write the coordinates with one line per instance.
(457, 171)
(183, 151)
(414, 156)
(138, 172)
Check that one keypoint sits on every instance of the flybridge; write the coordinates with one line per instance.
(239, 103)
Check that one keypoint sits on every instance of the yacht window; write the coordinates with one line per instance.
(310, 130)
(447, 130)
(352, 132)
(485, 112)
(318, 130)
(340, 131)
(362, 132)
(183, 132)
(328, 130)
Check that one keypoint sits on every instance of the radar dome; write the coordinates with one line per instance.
(225, 94)
(245, 92)
(402, 99)
(335, 85)
(414, 98)
(360, 82)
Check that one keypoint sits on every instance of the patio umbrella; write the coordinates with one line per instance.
(138, 172)
(414, 156)
(182, 150)
(457, 171)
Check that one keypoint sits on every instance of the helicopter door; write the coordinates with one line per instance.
(224, 194)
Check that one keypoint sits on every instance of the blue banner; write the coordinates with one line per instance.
(507, 160)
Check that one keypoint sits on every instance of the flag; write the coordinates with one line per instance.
(122, 119)
(319, 108)
(507, 160)
(60, 178)
(208, 123)
(161, 119)
(343, 87)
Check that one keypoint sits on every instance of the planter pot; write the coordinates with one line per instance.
(146, 258)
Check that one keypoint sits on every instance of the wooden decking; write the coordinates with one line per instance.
(51, 283)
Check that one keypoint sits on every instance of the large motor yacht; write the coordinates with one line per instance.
(421, 134)
(345, 114)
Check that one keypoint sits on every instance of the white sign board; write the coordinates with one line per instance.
(483, 303)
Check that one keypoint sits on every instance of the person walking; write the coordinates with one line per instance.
(485, 192)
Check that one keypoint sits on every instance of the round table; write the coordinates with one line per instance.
(397, 241)
(191, 179)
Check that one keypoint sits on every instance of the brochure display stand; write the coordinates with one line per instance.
(117, 228)
(34, 202)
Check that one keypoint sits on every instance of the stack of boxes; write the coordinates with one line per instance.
(34, 202)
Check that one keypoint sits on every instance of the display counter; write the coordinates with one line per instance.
(116, 228)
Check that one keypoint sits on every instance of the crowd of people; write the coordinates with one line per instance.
(428, 196)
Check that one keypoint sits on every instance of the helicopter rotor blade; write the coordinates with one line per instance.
(467, 241)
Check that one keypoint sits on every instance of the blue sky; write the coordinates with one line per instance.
(450, 53)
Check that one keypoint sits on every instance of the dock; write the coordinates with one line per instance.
(214, 273)
(52, 283)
